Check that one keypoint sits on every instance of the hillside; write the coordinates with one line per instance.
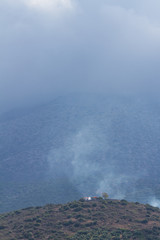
(87, 144)
(98, 219)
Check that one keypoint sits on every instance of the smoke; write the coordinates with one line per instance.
(116, 184)
(110, 145)
(79, 157)
(85, 158)
(155, 202)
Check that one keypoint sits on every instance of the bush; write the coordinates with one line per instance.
(124, 202)
(74, 205)
(77, 224)
(2, 227)
(79, 216)
(94, 205)
(66, 207)
(144, 221)
(78, 209)
(67, 223)
(17, 212)
(82, 200)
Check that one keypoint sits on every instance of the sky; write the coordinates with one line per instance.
(54, 47)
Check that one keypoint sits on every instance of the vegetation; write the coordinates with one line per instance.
(83, 220)
(105, 195)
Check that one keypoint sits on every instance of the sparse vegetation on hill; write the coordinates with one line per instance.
(81, 220)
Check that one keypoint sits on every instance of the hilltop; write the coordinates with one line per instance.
(99, 219)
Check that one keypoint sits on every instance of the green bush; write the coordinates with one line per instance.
(94, 205)
(77, 224)
(78, 209)
(68, 223)
(124, 202)
(2, 227)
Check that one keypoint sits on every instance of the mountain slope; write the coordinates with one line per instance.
(88, 144)
(98, 219)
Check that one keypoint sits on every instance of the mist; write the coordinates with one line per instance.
(113, 147)
(51, 49)
(55, 47)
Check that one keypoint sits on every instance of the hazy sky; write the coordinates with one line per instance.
(51, 47)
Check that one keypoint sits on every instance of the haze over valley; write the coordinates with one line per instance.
(79, 101)
(77, 146)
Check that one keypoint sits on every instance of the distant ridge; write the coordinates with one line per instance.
(80, 146)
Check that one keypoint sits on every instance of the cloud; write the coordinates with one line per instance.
(50, 5)
(149, 9)
(57, 46)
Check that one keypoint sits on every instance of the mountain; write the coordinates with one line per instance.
(79, 145)
(81, 220)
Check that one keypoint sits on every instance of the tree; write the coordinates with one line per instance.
(105, 195)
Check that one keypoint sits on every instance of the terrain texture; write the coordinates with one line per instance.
(80, 220)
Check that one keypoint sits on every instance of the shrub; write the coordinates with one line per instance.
(68, 223)
(66, 207)
(94, 205)
(17, 212)
(82, 200)
(77, 224)
(150, 208)
(102, 207)
(37, 224)
(144, 221)
(2, 227)
(124, 202)
(78, 209)
(74, 205)
(28, 235)
(79, 216)
(29, 220)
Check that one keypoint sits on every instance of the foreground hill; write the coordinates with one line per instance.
(78, 146)
(98, 219)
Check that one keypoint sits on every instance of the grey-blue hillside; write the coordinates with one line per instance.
(79, 146)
